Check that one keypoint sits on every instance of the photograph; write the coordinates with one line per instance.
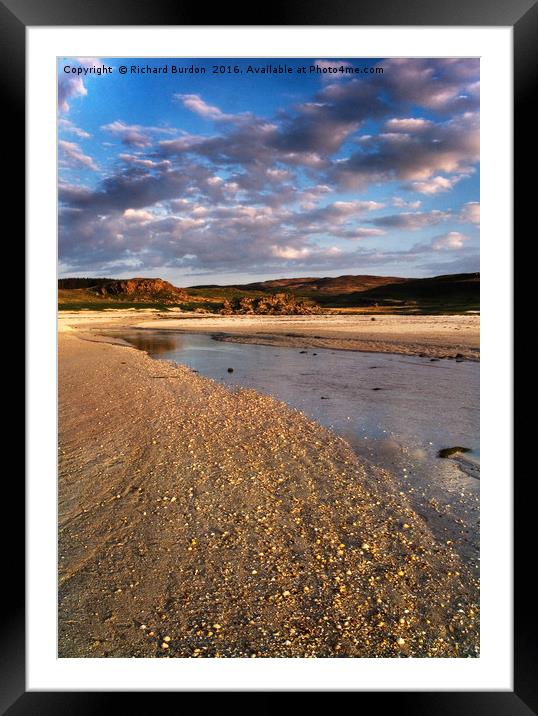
(268, 357)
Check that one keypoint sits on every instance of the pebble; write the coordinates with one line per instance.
(307, 485)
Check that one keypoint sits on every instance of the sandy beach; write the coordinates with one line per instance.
(433, 336)
(269, 292)
(199, 521)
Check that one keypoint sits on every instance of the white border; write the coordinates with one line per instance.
(493, 671)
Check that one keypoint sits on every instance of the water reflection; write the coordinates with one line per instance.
(402, 402)
(153, 342)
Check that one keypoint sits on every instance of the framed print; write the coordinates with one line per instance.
(267, 355)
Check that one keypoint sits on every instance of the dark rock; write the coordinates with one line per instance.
(226, 308)
(276, 304)
(448, 452)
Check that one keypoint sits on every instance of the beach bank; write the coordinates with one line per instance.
(203, 522)
(429, 336)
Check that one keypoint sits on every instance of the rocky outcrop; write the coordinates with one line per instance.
(142, 289)
(277, 304)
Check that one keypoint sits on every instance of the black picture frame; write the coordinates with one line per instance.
(522, 16)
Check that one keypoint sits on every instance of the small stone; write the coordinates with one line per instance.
(400, 641)
(164, 645)
(167, 638)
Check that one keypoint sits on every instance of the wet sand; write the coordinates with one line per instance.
(198, 521)
(432, 336)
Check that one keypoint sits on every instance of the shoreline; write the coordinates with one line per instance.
(437, 337)
(173, 488)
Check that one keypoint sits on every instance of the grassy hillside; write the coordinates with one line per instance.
(338, 285)
(138, 293)
(455, 293)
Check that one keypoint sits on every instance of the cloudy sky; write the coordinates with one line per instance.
(240, 177)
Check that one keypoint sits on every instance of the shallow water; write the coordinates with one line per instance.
(417, 403)
(398, 411)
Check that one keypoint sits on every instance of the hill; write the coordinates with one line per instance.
(143, 290)
(118, 293)
(329, 284)
(450, 293)
(453, 293)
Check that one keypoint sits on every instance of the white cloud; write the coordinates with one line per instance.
(410, 124)
(72, 155)
(196, 104)
(448, 147)
(452, 241)
(67, 126)
(138, 215)
(69, 87)
(435, 185)
(134, 135)
(288, 252)
(470, 212)
(259, 193)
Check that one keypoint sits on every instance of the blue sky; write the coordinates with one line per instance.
(244, 176)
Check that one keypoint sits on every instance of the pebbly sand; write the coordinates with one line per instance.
(197, 521)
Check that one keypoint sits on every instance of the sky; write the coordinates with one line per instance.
(242, 175)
